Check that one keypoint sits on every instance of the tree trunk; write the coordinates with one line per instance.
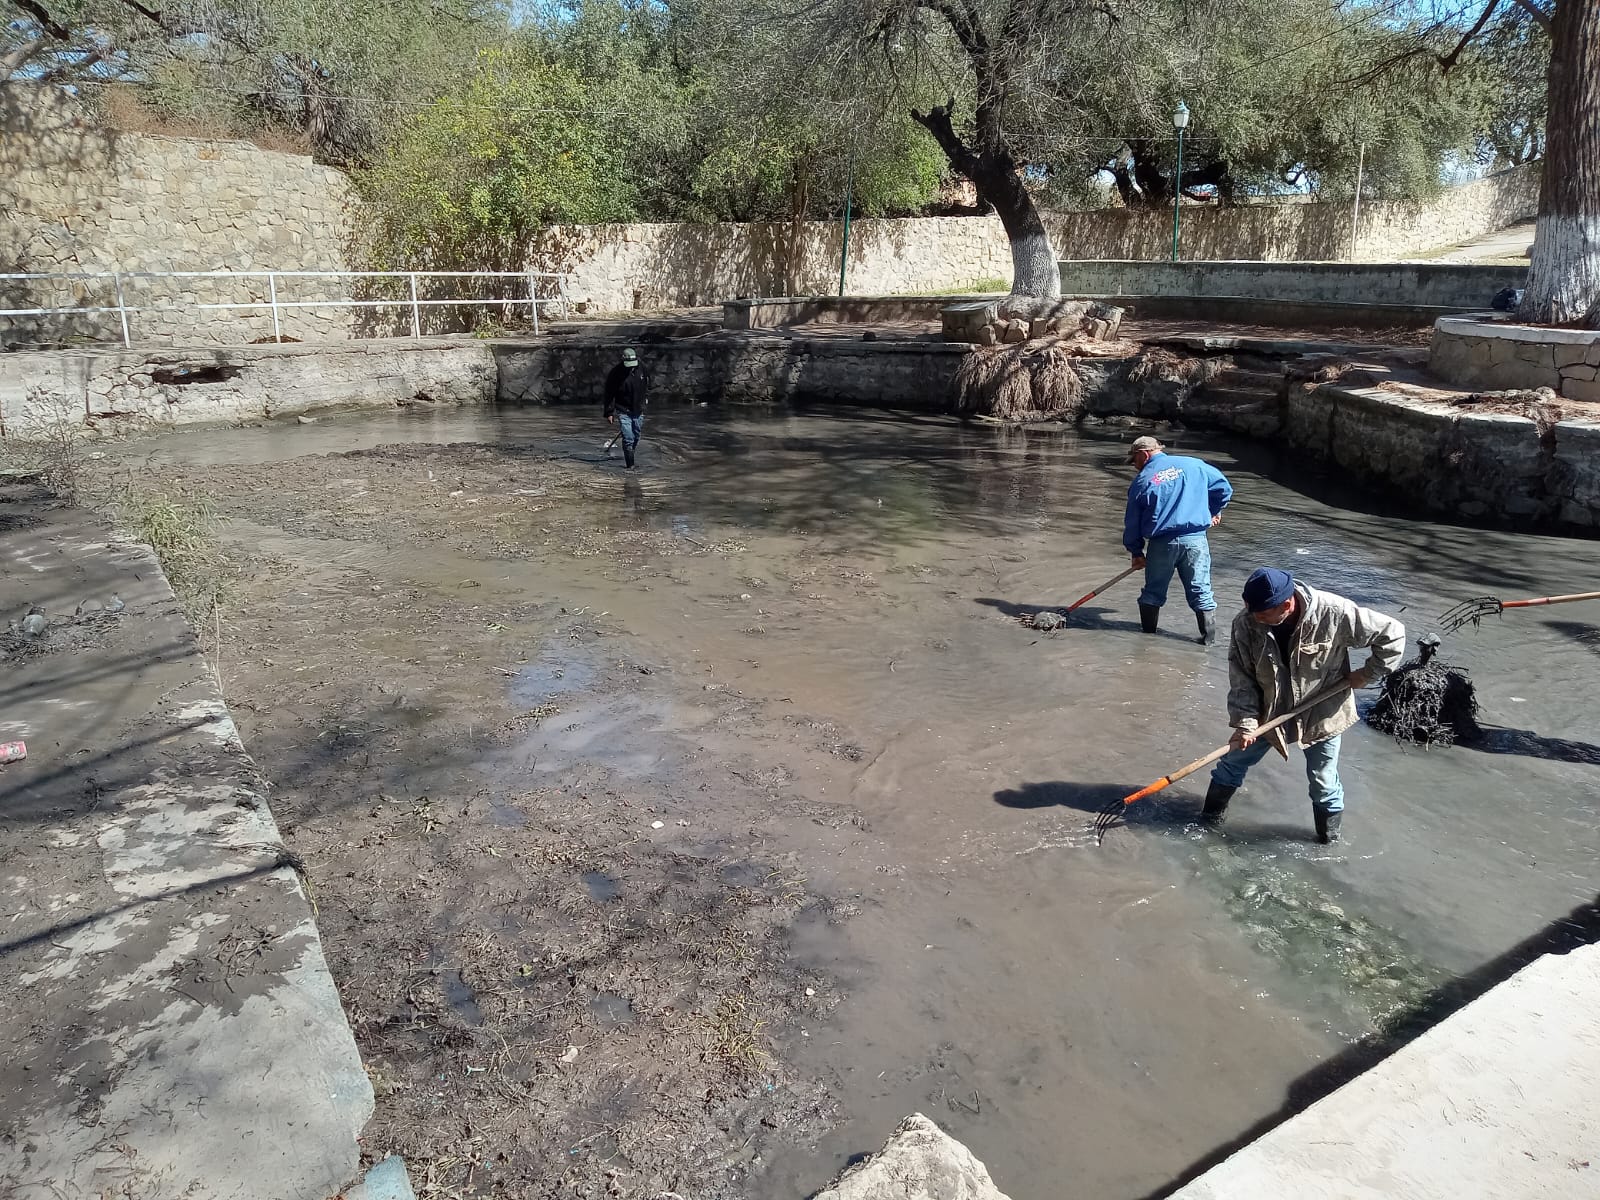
(1564, 277)
(1035, 273)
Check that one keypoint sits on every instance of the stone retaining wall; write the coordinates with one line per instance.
(918, 376)
(618, 268)
(82, 198)
(139, 389)
(1496, 355)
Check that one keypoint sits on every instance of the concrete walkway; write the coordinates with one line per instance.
(1512, 242)
(174, 1029)
(1498, 1102)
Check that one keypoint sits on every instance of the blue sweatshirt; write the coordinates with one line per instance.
(1173, 496)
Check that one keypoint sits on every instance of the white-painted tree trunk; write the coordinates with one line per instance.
(1564, 275)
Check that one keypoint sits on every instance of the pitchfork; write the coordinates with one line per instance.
(1473, 611)
(1112, 812)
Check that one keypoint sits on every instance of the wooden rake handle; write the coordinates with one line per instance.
(1547, 600)
(1167, 781)
(1108, 583)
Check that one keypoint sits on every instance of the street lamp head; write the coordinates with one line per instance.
(1180, 116)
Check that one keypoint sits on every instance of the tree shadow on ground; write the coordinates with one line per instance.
(1578, 928)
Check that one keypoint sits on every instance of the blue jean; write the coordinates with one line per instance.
(1322, 770)
(630, 428)
(1190, 556)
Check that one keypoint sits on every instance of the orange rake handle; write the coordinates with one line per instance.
(1546, 600)
(1108, 583)
(1167, 781)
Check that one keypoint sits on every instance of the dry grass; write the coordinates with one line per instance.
(47, 445)
(123, 109)
(181, 530)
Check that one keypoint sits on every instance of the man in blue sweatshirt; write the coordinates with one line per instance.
(1171, 504)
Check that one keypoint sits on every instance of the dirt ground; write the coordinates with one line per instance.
(565, 962)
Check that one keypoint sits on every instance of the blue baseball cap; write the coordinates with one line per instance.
(1267, 588)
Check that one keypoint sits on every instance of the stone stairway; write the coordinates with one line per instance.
(1245, 397)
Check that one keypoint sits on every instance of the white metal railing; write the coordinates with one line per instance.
(273, 303)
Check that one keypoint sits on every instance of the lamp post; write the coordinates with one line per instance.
(1180, 122)
(849, 190)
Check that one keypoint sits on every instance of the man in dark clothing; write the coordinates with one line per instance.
(1291, 643)
(1171, 503)
(625, 401)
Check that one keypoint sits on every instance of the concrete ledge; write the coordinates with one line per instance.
(175, 1030)
(1405, 283)
(1494, 354)
(1497, 1101)
(1253, 310)
(775, 312)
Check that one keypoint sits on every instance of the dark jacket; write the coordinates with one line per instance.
(625, 390)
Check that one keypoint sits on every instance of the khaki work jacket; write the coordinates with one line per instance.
(1260, 686)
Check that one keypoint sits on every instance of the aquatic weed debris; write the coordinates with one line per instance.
(1427, 702)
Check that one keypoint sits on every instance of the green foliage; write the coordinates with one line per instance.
(522, 144)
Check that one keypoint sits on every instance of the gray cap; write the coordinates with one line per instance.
(1148, 444)
(629, 358)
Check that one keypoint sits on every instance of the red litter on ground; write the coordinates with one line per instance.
(13, 751)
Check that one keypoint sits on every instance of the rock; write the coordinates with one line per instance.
(1039, 327)
(919, 1162)
(1015, 332)
(963, 322)
(35, 622)
(987, 336)
(305, 420)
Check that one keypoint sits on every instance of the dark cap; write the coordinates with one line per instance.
(1146, 443)
(1267, 588)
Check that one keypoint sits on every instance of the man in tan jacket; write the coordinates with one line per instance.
(1291, 642)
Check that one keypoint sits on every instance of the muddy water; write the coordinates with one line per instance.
(1091, 1020)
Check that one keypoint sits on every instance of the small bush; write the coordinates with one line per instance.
(47, 444)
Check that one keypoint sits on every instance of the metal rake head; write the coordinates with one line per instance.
(1470, 612)
(1108, 818)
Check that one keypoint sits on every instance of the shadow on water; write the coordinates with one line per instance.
(1525, 742)
(1581, 632)
(1579, 928)
(1168, 813)
(1089, 617)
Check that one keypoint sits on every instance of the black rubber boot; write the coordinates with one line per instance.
(1327, 825)
(1217, 797)
(1149, 615)
(627, 455)
(1208, 626)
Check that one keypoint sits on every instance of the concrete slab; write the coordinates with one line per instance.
(1496, 1102)
(175, 1029)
